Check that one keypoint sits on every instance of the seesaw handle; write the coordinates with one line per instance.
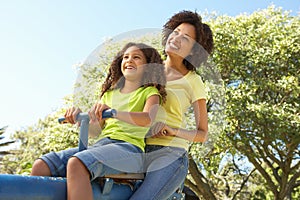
(109, 113)
(84, 119)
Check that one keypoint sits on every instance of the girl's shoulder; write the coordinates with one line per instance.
(148, 89)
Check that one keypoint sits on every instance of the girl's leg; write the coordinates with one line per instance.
(113, 158)
(78, 180)
(99, 160)
(40, 168)
(53, 163)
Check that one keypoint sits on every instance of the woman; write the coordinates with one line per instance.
(188, 42)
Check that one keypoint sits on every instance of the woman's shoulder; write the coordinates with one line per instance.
(193, 76)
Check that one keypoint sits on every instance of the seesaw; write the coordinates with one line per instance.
(18, 187)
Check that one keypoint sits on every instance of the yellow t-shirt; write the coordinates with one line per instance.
(181, 94)
(131, 102)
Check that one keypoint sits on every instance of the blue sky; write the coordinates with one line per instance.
(42, 40)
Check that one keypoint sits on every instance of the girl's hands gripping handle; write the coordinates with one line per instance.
(109, 113)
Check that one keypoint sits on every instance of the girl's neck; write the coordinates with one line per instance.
(130, 86)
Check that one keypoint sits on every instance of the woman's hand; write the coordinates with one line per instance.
(71, 114)
(95, 113)
(160, 129)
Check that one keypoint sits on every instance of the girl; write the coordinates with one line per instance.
(134, 87)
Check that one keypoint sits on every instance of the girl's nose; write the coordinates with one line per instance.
(129, 59)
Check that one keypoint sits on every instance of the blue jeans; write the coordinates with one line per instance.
(106, 156)
(166, 170)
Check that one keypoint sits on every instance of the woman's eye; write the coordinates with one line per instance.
(186, 38)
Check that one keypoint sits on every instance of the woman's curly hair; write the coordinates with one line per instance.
(204, 43)
(154, 74)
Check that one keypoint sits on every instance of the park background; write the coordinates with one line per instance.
(257, 52)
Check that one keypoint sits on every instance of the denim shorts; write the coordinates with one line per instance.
(107, 156)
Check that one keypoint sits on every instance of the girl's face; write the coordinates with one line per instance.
(133, 62)
(181, 41)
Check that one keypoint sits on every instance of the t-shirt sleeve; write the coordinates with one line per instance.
(198, 87)
(150, 91)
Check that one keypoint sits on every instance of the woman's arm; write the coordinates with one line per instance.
(199, 135)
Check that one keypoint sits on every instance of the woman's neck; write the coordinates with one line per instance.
(175, 69)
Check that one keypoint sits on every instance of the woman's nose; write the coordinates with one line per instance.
(178, 37)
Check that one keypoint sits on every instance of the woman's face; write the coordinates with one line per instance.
(180, 42)
(133, 63)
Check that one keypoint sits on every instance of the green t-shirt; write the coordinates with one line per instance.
(130, 102)
(181, 94)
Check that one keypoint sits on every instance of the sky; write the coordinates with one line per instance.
(41, 42)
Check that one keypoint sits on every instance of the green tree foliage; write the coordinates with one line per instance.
(4, 145)
(259, 60)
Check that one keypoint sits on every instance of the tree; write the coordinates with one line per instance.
(4, 144)
(259, 60)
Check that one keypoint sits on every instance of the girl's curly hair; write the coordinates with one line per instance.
(204, 43)
(154, 74)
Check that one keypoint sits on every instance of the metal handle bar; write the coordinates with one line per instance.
(109, 113)
(84, 119)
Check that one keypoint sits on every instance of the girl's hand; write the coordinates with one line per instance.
(71, 114)
(95, 113)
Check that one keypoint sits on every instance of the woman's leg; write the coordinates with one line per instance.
(161, 182)
(78, 181)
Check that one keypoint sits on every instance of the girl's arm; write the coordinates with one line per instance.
(199, 135)
(143, 118)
